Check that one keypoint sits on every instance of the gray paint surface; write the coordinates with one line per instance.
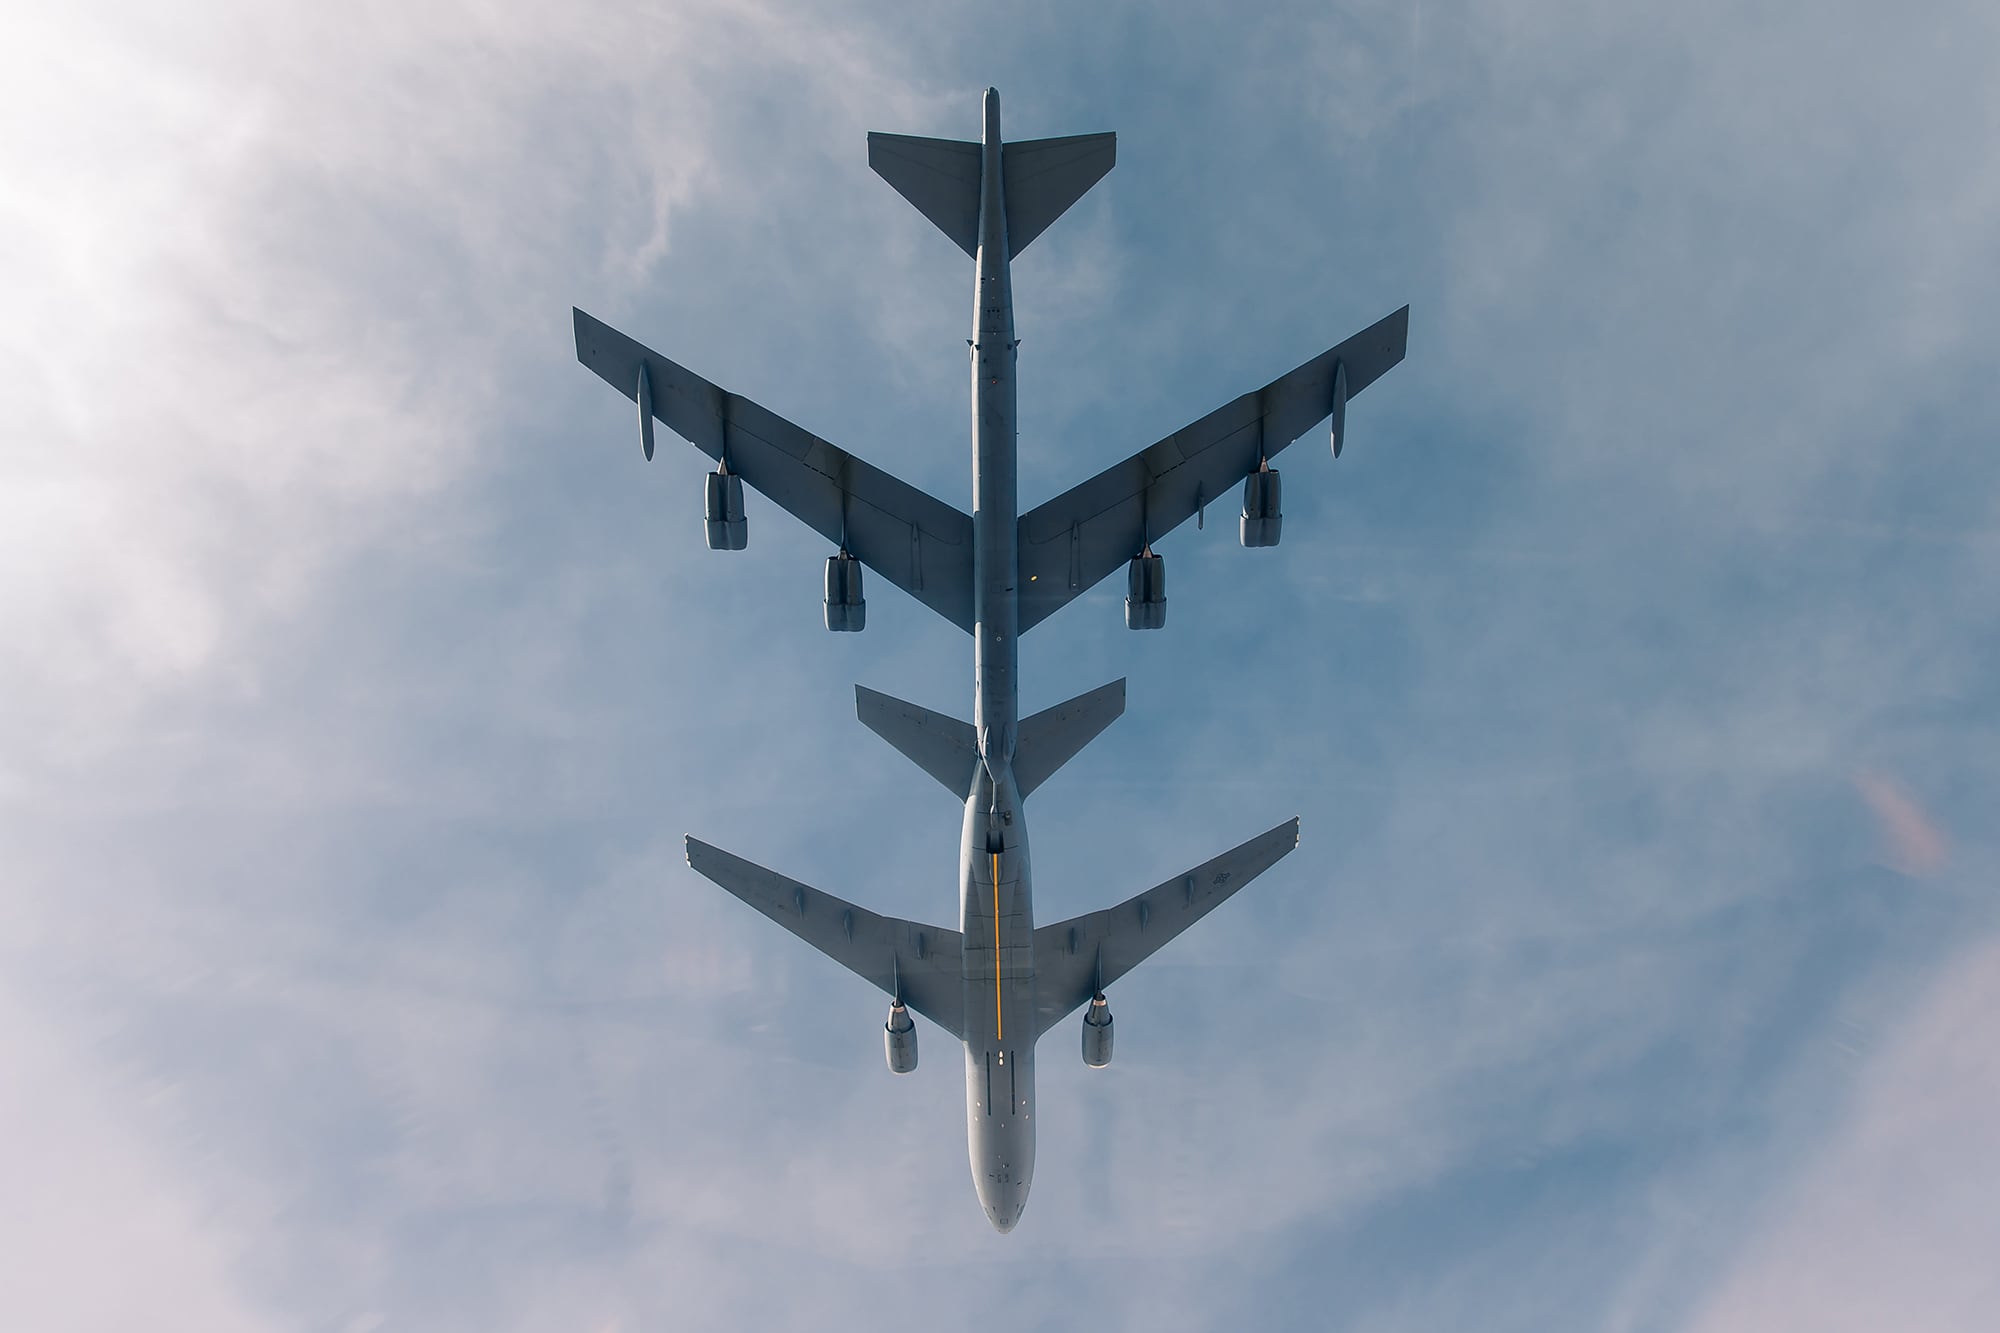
(997, 983)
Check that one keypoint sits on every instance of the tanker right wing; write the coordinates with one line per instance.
(1077, 958)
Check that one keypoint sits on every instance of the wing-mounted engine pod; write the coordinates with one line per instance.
(1097, 1033)
(846, 609)
(1261, 520)
(1146, 592)
(899, 1040)
(723, 509)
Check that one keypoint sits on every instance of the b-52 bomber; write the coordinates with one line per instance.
(998, 982)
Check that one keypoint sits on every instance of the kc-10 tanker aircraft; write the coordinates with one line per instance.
(998, 982)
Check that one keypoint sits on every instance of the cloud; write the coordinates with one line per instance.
(1917, 846)
(367, 680)
(1890, 1222)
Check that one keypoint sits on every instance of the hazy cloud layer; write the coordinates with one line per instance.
(1631, 673)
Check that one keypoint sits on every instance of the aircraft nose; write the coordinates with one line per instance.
(1003, 1214)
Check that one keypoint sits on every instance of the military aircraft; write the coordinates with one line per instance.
(998, 982)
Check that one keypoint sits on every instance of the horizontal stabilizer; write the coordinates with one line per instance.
(942, 746)
(939, 176)
(918, 964)
(1074, 958)
(1054, 736)
(1043, 177)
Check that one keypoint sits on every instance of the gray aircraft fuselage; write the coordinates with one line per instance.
(996, 911)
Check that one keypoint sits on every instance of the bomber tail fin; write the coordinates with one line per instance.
(1041, 179)
(1045, 176)
(939, 176)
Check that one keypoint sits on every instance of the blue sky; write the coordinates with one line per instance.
(1631, 672)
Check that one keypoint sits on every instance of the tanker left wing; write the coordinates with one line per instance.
(917, 964)
(1076, 959)
(917, 542)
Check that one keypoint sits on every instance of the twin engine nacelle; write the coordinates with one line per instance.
(1097, 1033)
(899, 1040)
(722, 508)
(1146, 592)
(1261, 521)
(846, 609)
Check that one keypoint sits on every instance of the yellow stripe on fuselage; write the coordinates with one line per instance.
(999, 1023)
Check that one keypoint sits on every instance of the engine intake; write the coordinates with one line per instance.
(1261, 520)
(846, 609)
(899, 1040)
(1097, 1033)
(1146, 592)
(727, 528)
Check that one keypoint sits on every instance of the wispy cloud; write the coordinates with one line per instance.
(363, 680)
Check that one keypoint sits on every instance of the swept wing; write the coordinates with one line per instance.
(917, 542)
(1074, 958)
(921, 963)
(1087, 532)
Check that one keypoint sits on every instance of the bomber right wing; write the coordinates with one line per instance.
(1074, 958)
(1087, 532)
(917, 542)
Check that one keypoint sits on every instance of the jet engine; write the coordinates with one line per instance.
(846, 610)
(1261, 519)
(1096, 1033)
(727, 528)
(1146, 591)
(899, 1040)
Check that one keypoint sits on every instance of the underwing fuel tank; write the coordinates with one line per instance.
(1338, 429)
(846, 609)
(645, 411)
(1146, 592)
(1097, 1033)
(1262, 520)
(723, 511)
(899, 1040)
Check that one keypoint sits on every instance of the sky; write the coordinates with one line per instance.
(1631, 672)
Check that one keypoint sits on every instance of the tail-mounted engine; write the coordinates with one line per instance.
(899, 1040)
(1097, 1033)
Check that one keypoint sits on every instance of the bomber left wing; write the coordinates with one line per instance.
(1085, 533)
(918, 964)
(917, 542)
(1076, 958)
